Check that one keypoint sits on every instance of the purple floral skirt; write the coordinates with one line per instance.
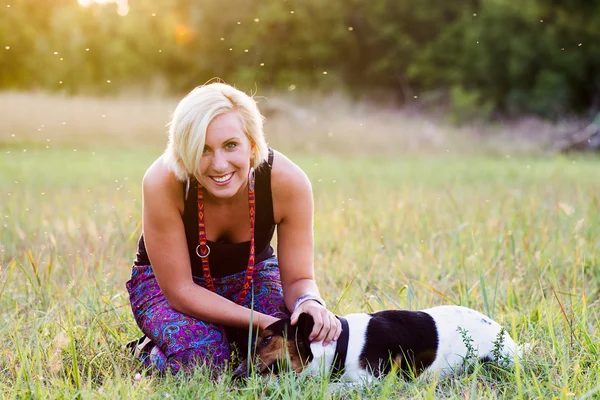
(182, 342)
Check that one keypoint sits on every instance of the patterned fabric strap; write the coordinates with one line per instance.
(307, 297)
(203, 250)
(252, 210)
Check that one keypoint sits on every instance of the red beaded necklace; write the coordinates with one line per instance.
(202, 250)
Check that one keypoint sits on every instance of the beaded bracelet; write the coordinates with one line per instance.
(306, 297)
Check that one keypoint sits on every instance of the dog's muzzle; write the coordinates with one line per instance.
(241, 371)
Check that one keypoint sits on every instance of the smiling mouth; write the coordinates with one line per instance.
(223, 178)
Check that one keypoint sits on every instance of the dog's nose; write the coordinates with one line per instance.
(241, 371)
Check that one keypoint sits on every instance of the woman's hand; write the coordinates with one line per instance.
(326, 326)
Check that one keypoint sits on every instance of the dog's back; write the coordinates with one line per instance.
(459, 327)
(407, 338)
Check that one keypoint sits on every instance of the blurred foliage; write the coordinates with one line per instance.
(478, 58)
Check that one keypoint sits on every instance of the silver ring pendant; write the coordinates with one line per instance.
(198, 251)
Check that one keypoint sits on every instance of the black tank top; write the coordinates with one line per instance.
(227, 258)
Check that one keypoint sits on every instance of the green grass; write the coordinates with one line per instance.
(518, 239)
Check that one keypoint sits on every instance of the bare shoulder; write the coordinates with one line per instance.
(160, 183)
(287, 177)
(289, 186)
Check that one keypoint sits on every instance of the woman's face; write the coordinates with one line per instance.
(225, 161)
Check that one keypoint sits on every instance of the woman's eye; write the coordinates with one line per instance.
(231, 145)
(206, 150)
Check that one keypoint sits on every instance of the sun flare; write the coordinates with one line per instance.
(122, 5)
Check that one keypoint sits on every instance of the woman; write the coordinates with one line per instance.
(210, 207)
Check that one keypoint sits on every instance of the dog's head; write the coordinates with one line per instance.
(281, 345)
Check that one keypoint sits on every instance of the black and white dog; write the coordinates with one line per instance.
(436, 340)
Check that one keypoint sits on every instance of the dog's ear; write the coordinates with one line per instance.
(305, 326)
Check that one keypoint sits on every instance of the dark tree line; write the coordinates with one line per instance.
(477, 57)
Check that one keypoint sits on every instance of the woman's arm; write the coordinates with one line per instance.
(166, 244)
(293, 210)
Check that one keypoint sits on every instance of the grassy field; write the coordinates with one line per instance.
(517, 238)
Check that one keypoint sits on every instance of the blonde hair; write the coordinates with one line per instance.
(193, 114)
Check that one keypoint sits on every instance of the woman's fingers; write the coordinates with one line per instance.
(331, 333)
(328, 330)
(338, 330)
(318, 324)
(326, 327)
(295, 315)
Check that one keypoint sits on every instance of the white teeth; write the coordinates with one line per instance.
(222, 178)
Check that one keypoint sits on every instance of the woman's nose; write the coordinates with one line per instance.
(219, 162)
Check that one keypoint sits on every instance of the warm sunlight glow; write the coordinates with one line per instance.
(122, 5)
